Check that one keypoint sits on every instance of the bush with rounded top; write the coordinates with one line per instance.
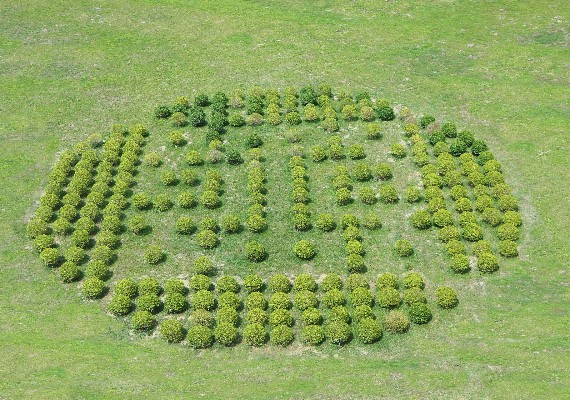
(339, 332)
(280, 300)
(355, 263)
(330, 124)
(126, 287)
(388, 297)
(174, 285)
(454, 247)
(256, 316)
(69, 272)
(203, 300)
(226, 334)
(388, 194)
(255, 251)
(172, 330)
(361, 297)
(397, 322)
(51, 257)
(253, 283)
(325, 222)
(467, 217)
(210, 199)
(254, 334)
(413, 279)
(148, 302)
(200, 337)
(334, 298)
(356, 280)
(279, 283)
(80, 238)
(175, 303)
(162, 112)
(362, 312)
(460, 263)
(305, 299)
(162, 203)
(367, 195)
(512, 218)
(480, 247)
(178, 119)
(367, 113)
(203, 265)
(472, 232)
(42, 242)
(293, 118)
(86, 224)
(383, 171)
(448, 233)
(148, 285)
(404, 248)
(442, 218)
(230, 223)
(414, 295)
(487, 263)
(236, 120)
(331, 281)
(419, 313)
(281, 335)
(143, 321)
(507, 248)
(478, 146)
(318, 154)
(227, 315)
(397, 150)
(281, 317)
(362, 171)
(229, 300)
(185, 225)
(227, 284)
(97, 269)
(137, 224)
(93, 288)
(233, 157)
(368, 330)
(201, 317)
(508, 232)
(343, 196)
(256, 223)
(387, 280)
(61, 226)
(492, 216)
(373, 131)
(119, 305)
(313, 334)
(356, 152)
(153, 254)
(446, 297)
(412, 194)
(207, 239)
(354, 247)
(304, 249)
(421, 219)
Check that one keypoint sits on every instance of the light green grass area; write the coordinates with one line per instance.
(498, 68)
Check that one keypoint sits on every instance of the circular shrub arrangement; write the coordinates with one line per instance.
(446, 297)
(460, 263)
(254, 335)
(142, 321)
(226, 334)
(313, 335)
(172, 330)
(404, 248)
(93, 288)
(305, 250)
(487, 262)
(279, 283)
(153, 254)
(397, 322)
(175, 303)
(200, 337)
(339, 332)
(388, 297)
(120, 305)
(419, 313)
(254, 251)
(368, 330)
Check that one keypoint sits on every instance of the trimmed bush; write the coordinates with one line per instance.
(313, 335)
(419, 313)
(281, 335)
(51, 257)
(207, 239)
(93, 288)
(388, 194)
(230, 223)
(361, 297)
(280, 317)
(279, 283)
(383, 171)
(203, 265)
(454, 247)
(448, 233)
(397, 322)
(487, 263)
(512, 218)
(318, 154)
(255, 335)
(507, 248)
(412, 194)
(162, 203)
(387, 280)
(200, 337)
(356, 152)
(175, 303)
(153, 254)
(304, 249)
(255, 251)
(185, 225)
(404, 248)
(330, 282)
(280, 300)
(201, 317)
(253, 283)
(356, 280)
(446, 297)
(228, 284)
(334, 298)
(413, 279)
(339, 332)
(172, 330)
(229, 300)
(421, 219)
(373, 131)
(226, 334)
(492, 216)
(414, 295)
(227, 315)
(69, 272)
(305, 299)
(119, 305)
(388, 297)
(460, 263)
(256, 316)
(203, 300)
(148, 302)
(148, 285)
(472, 232)
(143, 321)
(368, 331)
(480, 247)
(138, 225)
(97, 269)
(508, 232)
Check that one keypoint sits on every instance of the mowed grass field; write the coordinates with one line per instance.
(68, 69)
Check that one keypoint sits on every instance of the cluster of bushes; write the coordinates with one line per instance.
(300, 194)
(343, 185)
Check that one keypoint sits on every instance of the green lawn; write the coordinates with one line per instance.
(500, 68)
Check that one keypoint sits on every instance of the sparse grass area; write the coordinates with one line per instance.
(72, 69)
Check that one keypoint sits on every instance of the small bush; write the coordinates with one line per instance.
(339, 332)
(227, 284)
(343, 196)
(203, 300)
(318, 154)
(253, 283)
(421, 219)
(51, 257)
(200, 337)
(397, 150)
(281, 317)
(233, 157)
(153, 254)
(226, 334)
(93, 288)
(383, 171)
(175, 303)
(293, 118)
(230, 223)
(162, 203)
(185, 225)
(255, 335)
(279, 283)
(202, 317)
(404, 248)
(368, 330)
(138, 225)
(172, 330)
(207, 239)
(305, 250)
(256, 223)
(512, 218)
(143, 321)
(388, 297)
(361, 297)
(507, 248)
(256, 316)
(119, 305)
(97, 269)
(492, 216)
(325, 222)
(388, 194)
(454, 247)
(446, 297)
(448, 233)
(487, 263)
(373, 131)
(508, 232)
(148, 302)
(255, 251)
(227, 315)
(356, 280)
(419, 313)
(413, 279)
(460, 263)
(472, 232)
(387, 280)
(356, 152)
(313, 335)
(442, 218)
(397, 322)
(330, 124)
(229, 300)
(69, 272)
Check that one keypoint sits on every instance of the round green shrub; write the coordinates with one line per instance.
(119, 305)
(153, 254)
(508, 232)
(512, 218)
(313, 335)
(86, 224)
(153, 159)
(507, 248)
(362, 172)
(93, 288)
(229, 300)
(293, 118)
(413, 279)
(97, 269)
(227, 315)
(253, 283)
(201, 317)
(280, 300)
(334, 298)
(279, 283)
(421, 219)
(373, 131)
(148, 285)
(162, 112)
(226, 334)
(318, 154)
(387, 280)
(388, 194)
(397, 150)
(42, 242)
(354, 247)
(330, 124)
(355, 263)
(343, 196)
(138, 225)
(397, 322)
(311, 316)
(325, 222)
(368, 331)
(175, 303)
(446, 297)
(448, 233)
(227, 284)
(230, 223)
(356, 152)
(207, 239)
(143, 321)
(472, 232)
(454, 247)
(492, 216)
(480, 247)
(256, 223)
(414, 295)
(331, 281)
(356, 280)
(467, 217)
(69, 272)
(367, 195)
(419, 313)
(305, 299)
(255, 251)
(388, 297)
(361, 297)
(460, 263)
(51, 257)
(80, 238)
(255, 335)
(61, 226)
(304, 249)
(256, 316)
(487, 263)
(281, 317)
(372, 221)
(362, 312)
(126, 287)
(442, 218)
(339, 332)
(203, 300)
(404, 248)
(305, 282)
(185, 226)
(200, 337)
(203, 265)
(172, 330)
(281, 335)
(148, 302)
(178, 119)
(210, 199)
(162, 203)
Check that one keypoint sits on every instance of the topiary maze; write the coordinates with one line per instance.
(273, 217)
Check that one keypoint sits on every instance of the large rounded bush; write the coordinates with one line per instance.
(255, 251)
(227, 284)
(460, 263)
(368, 330)
(404, 248)
(120, 305)
(226, 334)
(147, 285)
(229, 300)
(421, 219)
(414, 295)
(334, 298)
(280, 300)
(387, 280)
(281, 335)
(69, 272)
(148, 302)
(153, 254)
(93, 288)
(331, 281)
(304, 249)
(200, 282)
(279, 283)
(507, 248)
(305, 299)
(255, 335)
(419, 313)
(388, 297)
(253, 283)
(281, 317)
(203, 300)
(143, 321)
(175, 303)
(201, 317)
(200, 337)
(339, 332)
(313, 335)
(487, 263)
(361, 297)
(397, 322)
(172, 330)
(207, 239)
(446, 297)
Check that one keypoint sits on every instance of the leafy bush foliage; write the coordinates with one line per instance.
(226, 334)
(404, 248)
(93, 288)
(172, 330)
(420, 313)
(143, 321)
(368, 330)
(200, 337)
(254, 334)
(304, 249)
(446, 297)
(313, 334)
(253, 283)
(148, 302)
(487, 263)
(120, 305)
(255, 251)
(388, 297)
(339, 332)
(397, 322)
(153, 254)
